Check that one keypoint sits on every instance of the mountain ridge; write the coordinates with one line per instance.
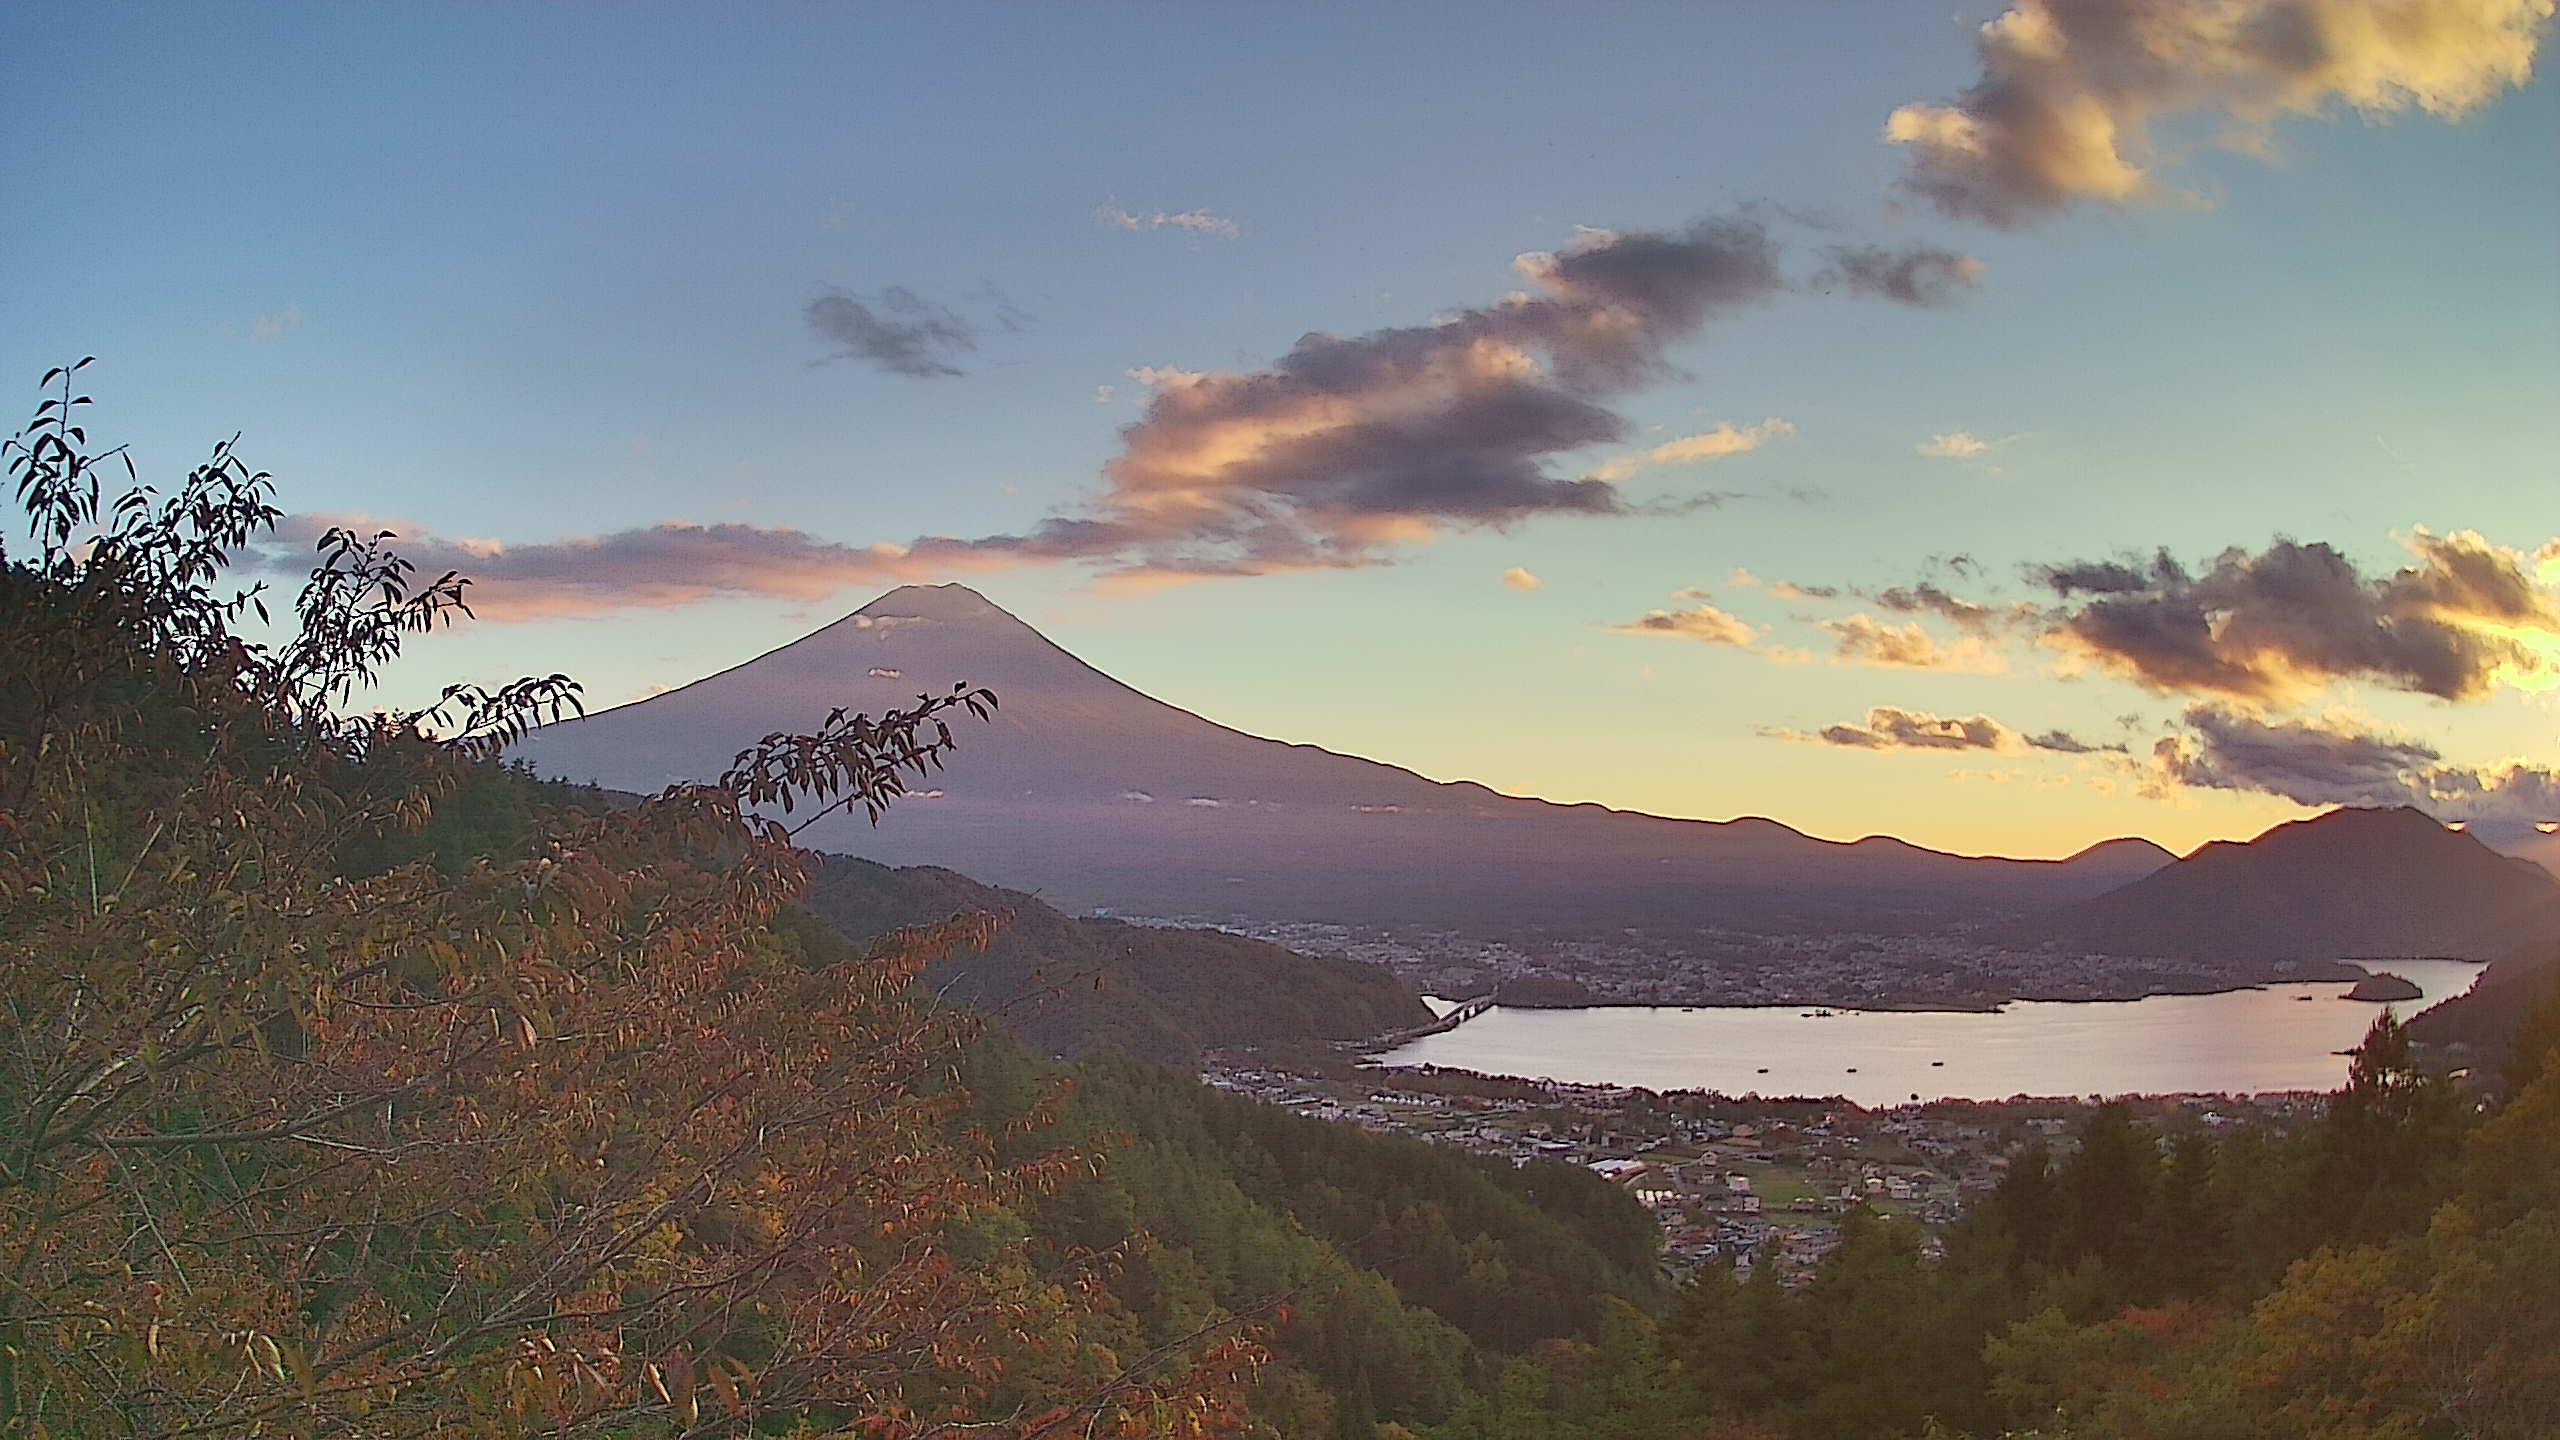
(2349, 883)
(955, 603)
(1100, 797)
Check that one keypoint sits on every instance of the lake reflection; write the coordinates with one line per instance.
(2242, 1042)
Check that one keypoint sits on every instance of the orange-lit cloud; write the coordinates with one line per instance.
(1701, 622)
(1347, 448)
(1862, 639)
(2071, 89)
(1519, 578)
(2278, 626)
(1723, 442)
(1784, 589)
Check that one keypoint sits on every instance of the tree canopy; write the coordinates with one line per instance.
(350, 1085)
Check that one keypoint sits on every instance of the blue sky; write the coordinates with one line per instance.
(525, 276)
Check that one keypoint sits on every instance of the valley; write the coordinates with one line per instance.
(1729, 1178)
(1101, 801)
(1865, 970)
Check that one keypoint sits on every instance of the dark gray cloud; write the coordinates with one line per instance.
(2071, 89)
(2333, 761)
(2286, 621)
(1921, 275)
(1890, 727)
(1929, 598)
(897, 331)
(2063, 742)
(2111, 577)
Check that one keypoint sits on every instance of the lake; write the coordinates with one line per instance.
(2281, 1037)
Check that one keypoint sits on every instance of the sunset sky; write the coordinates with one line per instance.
(2001, 437)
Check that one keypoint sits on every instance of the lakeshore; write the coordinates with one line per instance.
(2250, 1040)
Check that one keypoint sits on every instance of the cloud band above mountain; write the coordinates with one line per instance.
(2279, 625)
(2336, 761)
(675, 563)
(1889, 727)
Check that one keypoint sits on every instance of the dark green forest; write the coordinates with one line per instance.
(353, 1083)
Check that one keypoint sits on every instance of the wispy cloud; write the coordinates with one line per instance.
(268, 327)
(1519, 578)
(1782, 589)
(1723, 442)
(1959, 445)
(1192, 222)
(896, 331)
(1929, 598)
(2071, 90)
(1922, 275)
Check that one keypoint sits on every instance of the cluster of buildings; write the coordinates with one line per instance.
(1732, 1181)
(1711, 966)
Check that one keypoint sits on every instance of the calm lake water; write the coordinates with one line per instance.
(2243, 1042)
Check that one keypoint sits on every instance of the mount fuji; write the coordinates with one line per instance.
(1096, 796)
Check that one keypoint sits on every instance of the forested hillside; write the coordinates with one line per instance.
(1391, 1280)
(2483, 1019)
(1074, 985)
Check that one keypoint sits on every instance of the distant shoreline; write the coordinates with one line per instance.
(2336, 972)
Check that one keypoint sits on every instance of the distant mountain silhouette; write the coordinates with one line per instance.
(1094, 795)
(2348, 883)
